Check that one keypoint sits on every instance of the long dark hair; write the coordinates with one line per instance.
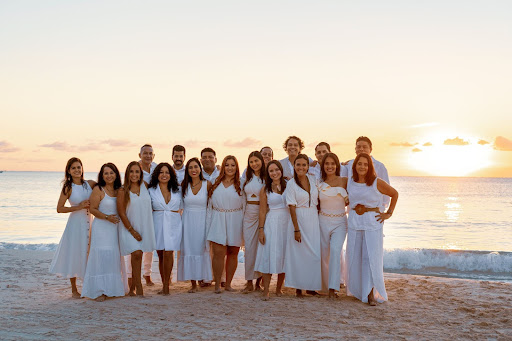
(101, 180)
(336, 161)
(300, 156)
(188, 179)
(68, 179)
(370, 175)
(172, 185)
(268, 182)
(250, 172)
(222, 175)
(127, 182)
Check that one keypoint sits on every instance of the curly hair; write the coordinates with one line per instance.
(301, 143)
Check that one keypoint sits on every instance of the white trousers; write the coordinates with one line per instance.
(147, 261)
(333, 231)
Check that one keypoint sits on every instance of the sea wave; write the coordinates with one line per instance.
(30, 247)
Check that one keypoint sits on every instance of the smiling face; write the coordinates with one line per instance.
(75, 170)
(208, 160)
(320, 152)
(267, 155)
(178, 158)
(293, 147)
(135, 174)
(193, 170)
(301, 167)
(230, 168)
(146, 155)
(363, 147)
(329, 166)
(255, 164)
(274, 172)
(362, 167)
(109, 175)
(165, 175)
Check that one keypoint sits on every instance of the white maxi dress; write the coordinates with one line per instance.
(333, 231)
(166, 219)
(105, 273)
(270, 258)
(250, 224)
(226, 216)
(140, 215)
(70, 258)
(365, 269)
(195, 262)
(303, 260)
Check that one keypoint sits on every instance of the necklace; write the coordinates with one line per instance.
(277, 187)
(193, 186)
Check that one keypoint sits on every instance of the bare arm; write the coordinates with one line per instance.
(386, 189)
(263, 215)
(95, 199)
(62, 201)
(92, 183)
(296, 231)
(121, 210)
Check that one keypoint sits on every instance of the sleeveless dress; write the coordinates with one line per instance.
(270, 258)
(70, 258)
(140, 215)
(226, 214)
(195, 262)
(303, 260)
(250, 225)
(105, 267)
(333, 230)
(166, 219)
(365, 268)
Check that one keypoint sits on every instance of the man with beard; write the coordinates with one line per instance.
(316, 167)
(178, 159)
(208, 161)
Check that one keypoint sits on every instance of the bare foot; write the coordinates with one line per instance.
(131, 293)
(279, 293)
(100, 298)
(312, 292)
(371, 299)
(298, 293)
(160, 292)
(332, 294)
(230, 289)
(192, 290)
(203, 284)
(222, 284)
(217, 291)
(248, 288)
(265, 297)
(76, 294)
(149, 282)
(258, 288)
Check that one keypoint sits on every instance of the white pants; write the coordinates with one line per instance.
(147, 260)
(332, 238)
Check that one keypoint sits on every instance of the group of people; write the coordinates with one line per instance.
(289, 215)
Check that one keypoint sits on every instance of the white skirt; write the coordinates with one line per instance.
(250, 233)
(270, 257)
(226, 228)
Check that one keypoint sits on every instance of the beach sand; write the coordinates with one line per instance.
(36, 305)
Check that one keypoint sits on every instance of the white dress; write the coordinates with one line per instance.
(250, 225)
(105, 266)
(195, 262)
(70, 258)
(333, 230)
(140, 215)
(270, 258)
(226, 216)
(303, 260)
(166, 219)
(365, 244)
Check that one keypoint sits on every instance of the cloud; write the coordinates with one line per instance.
(416, 150)
(59, 145)
(455, 142)
(503, 144)
(245, 143)
(6, 147)
(64, 146)
(483, 142)
(427, 144)
(402, 144)
(424, 125)
(118, 143)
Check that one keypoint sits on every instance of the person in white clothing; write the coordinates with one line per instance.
(166, 202)
(333, 222)
(251, 188)
(209, 160)
(292, 146)
(365, 273)
(225, 224)
(136, 231)
(320, 150)
(303, 259)
(194, 261)
(274, 221)
(178, 160)
(268, 155)
(70, 258)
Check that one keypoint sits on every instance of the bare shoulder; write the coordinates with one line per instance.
(91, 183)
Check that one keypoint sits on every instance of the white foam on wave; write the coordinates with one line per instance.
(454, 260)
(31, 247)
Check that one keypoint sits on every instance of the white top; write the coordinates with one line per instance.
(332, 199)
(288, 167)
(299, 197)
(147, 176)
(368, 196)
(166, 219)
(316, 171)
(196, 202)
(276, 201)
(211, 177)
(180, 174)
(252, 188)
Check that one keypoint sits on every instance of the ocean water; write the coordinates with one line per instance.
(453, 227)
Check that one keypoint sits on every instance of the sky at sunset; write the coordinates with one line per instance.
(429, 82)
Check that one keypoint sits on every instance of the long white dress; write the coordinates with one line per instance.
(195, 262)
(70, 258)
(166, 219)
(303, 260)
(105, 267)
(250, 225)
(333, 230)
(270, 258)
(226, 216)
(365, 268)
(140, 215)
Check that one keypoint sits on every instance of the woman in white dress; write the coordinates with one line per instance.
(166, 202)
(365, 277)
(333, 222)
(104, 275)
(136, 231)
(195, 263)
(225, 222)
(303, 259)
(70, 258)
(273, 229)
(251, 188)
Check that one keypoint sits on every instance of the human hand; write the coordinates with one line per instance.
(298, 236)
(136, 235)
(261, 237)
(85, 204)
(114, 219)
(382, 216)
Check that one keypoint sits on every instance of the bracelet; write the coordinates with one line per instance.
(296, 231)
(106, 216)
(260, 227)
(130, 228)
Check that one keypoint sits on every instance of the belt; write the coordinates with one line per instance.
(253, 202)
(229, 210)
(361, 209)
(332, 215)
(166, 210)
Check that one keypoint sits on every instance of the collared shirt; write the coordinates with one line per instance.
(180, 174)
(213, 176)
(147, 176)
(316, 171)
(288, 167)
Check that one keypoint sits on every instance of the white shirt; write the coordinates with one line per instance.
(288, 167)
(213, 176)
(147, 176)
(180, 174)
(316, 171)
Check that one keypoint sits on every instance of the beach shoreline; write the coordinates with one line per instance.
(37, 305)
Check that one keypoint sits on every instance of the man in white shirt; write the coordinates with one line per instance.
(321, 150)
(208, 161)
(364, 145)
(178, 159)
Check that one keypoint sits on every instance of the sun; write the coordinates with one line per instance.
(443, 160)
